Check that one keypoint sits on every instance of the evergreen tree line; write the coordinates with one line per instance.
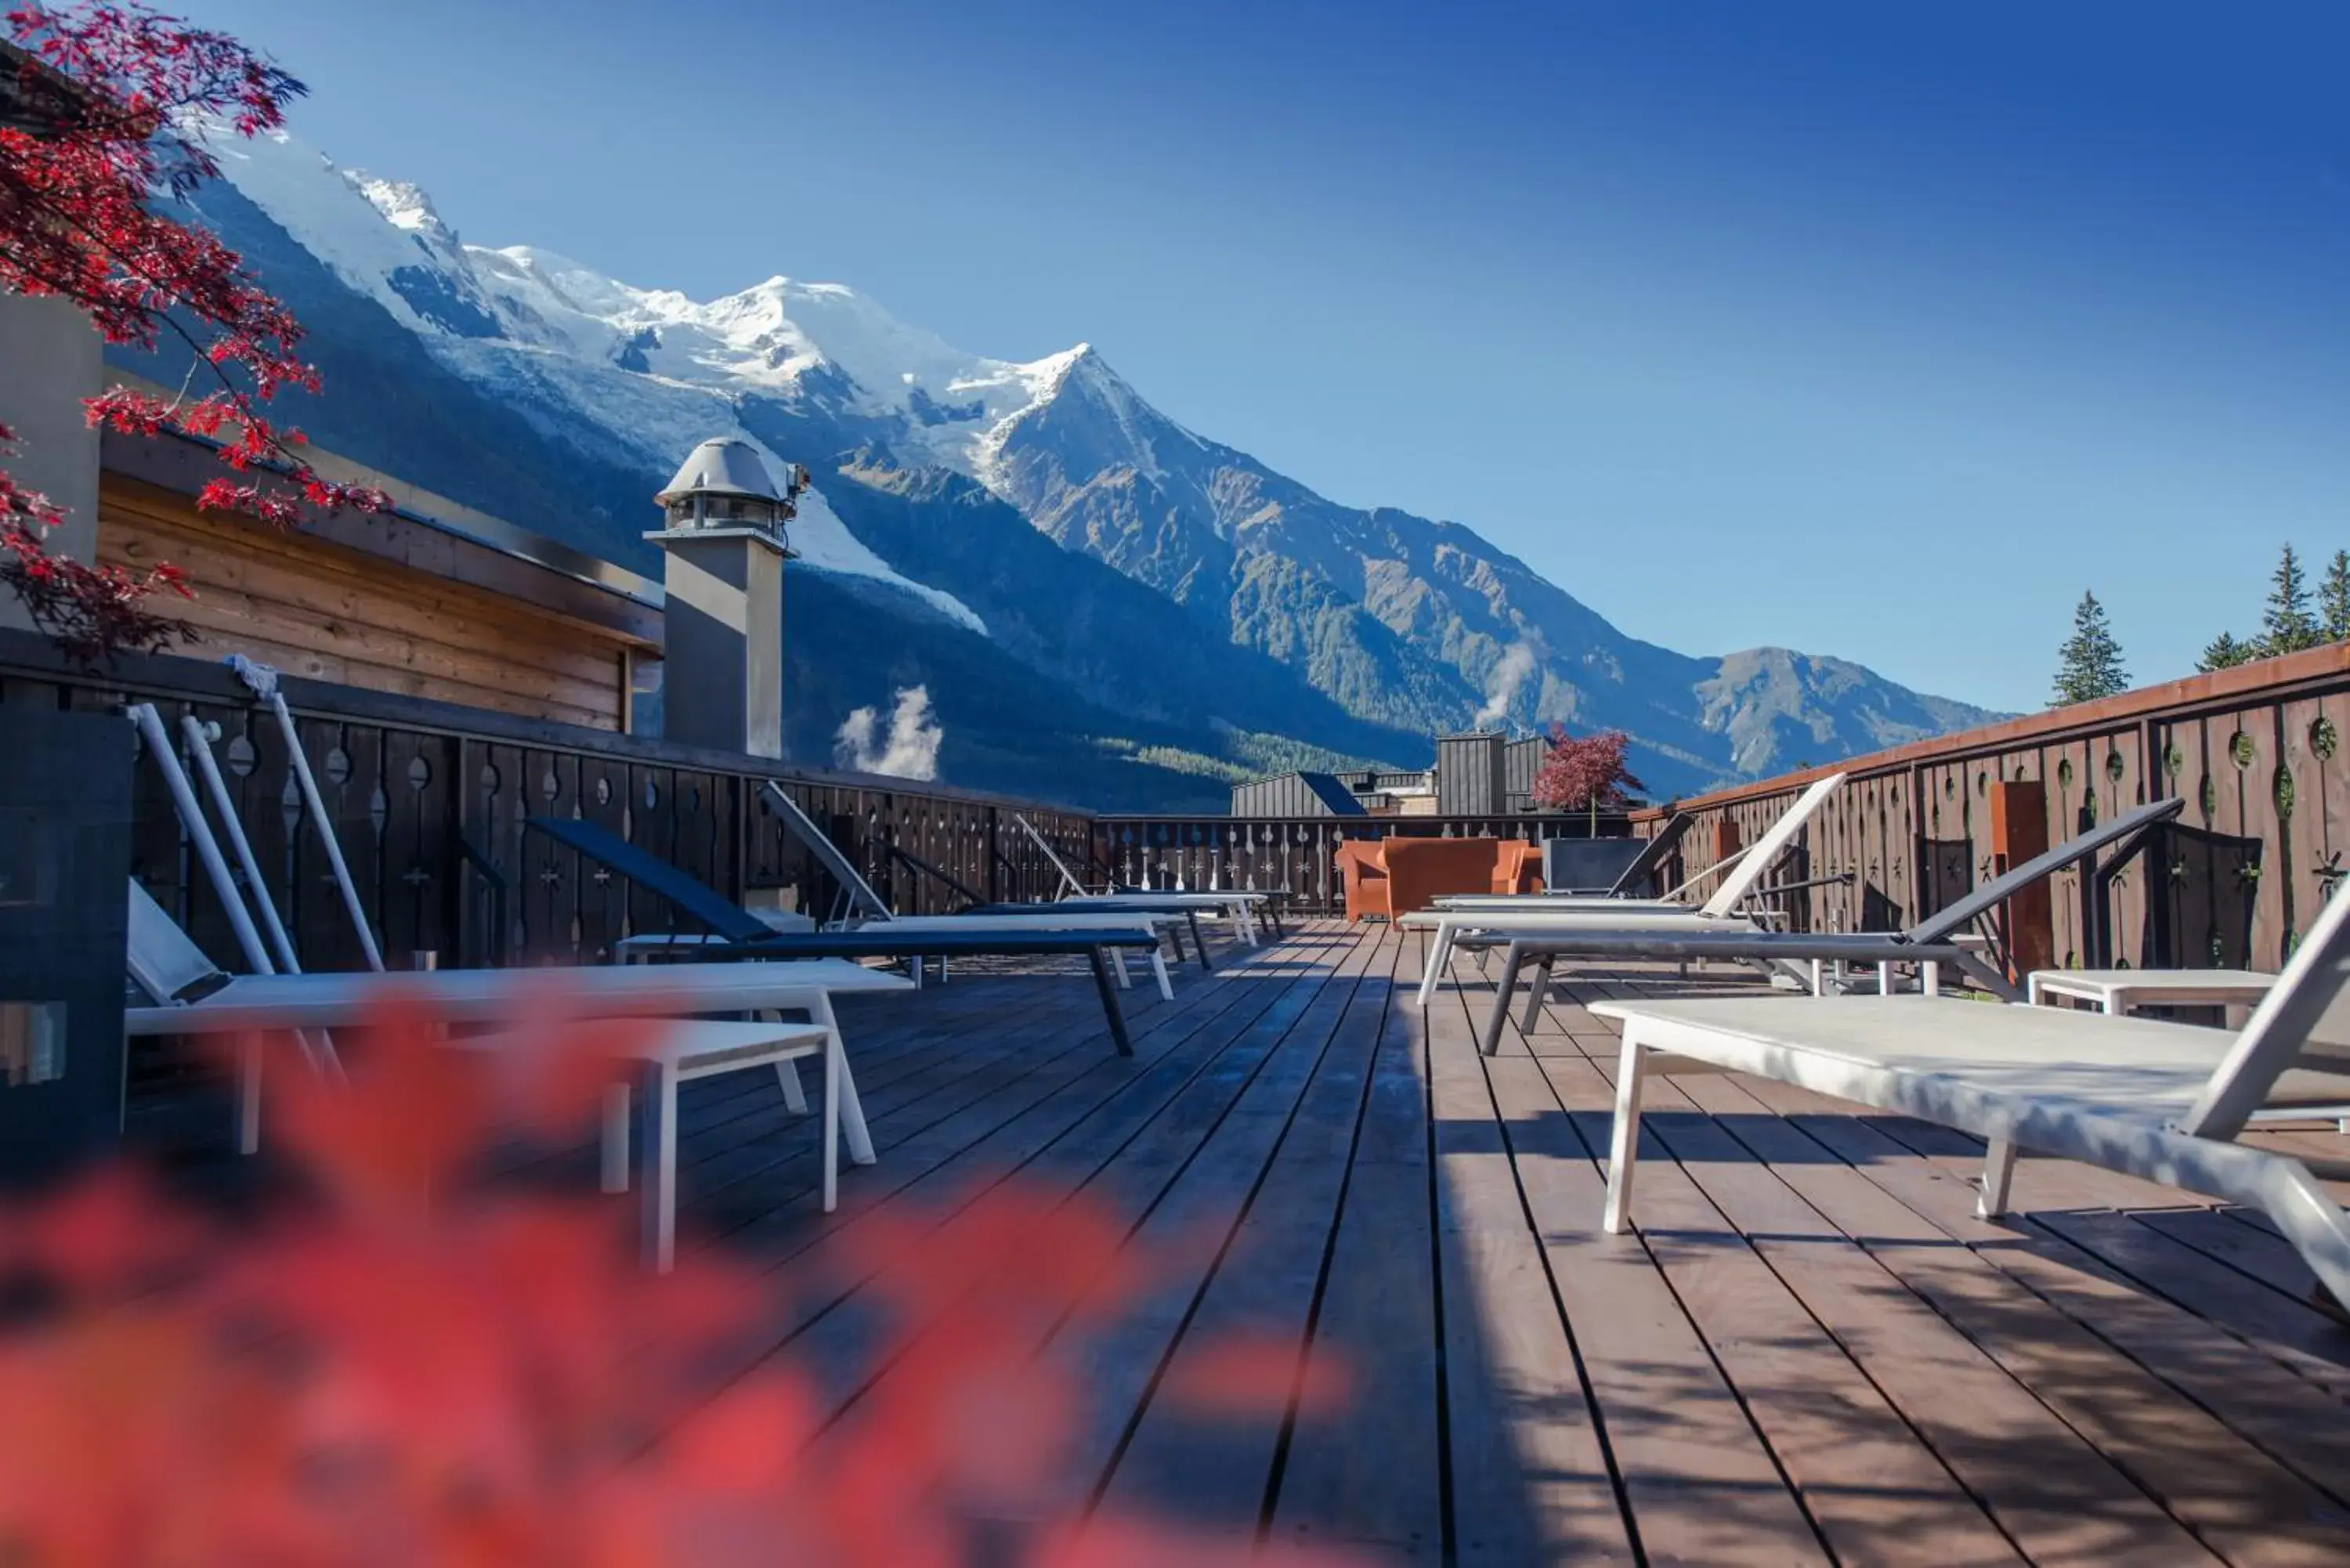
(2089, 663)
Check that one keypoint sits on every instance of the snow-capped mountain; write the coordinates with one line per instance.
(945, 481)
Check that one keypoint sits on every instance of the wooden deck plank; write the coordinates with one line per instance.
(1702, 1485)
(1188, 1188)
(1811, 1352)
(1219, 1466)
(1879, 1492)
(1376, 1320)
(2303, 1341)
(1531, 1479)
(1127, 1163)
(2256, 1396)
(1080, 1105)
(2238, 1502)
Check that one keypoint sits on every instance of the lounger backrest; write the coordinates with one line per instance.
(1643, 868)
(1949, 922)
(2306, 1002)
(1769, 847)
(861, 895)
(695, 899)
(166, 965)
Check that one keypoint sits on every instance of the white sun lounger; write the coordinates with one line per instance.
(865, 903)
(2160, 1101)
(1742, 869)
(194, 997)
(1535, 914)
(1235, 904)
(1930, 946)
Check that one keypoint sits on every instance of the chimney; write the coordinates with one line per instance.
(722, 676)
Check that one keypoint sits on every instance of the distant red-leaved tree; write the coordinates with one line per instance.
(395, 1359)
(1584, 772)
(103, 112)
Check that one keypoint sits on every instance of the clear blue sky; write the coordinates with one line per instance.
(1838, 325)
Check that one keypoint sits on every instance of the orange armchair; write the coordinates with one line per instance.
(1422, 870)
(1394, 876)
(1361, 863)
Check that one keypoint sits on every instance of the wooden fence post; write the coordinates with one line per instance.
(2019, 831)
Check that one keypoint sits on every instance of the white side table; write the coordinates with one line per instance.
(2124, 991)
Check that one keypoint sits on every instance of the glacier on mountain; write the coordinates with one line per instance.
(1407, 624)
(537, 324)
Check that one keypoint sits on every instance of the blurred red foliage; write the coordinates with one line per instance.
(399, 1360)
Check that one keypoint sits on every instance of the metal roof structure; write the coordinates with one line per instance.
(722, 465)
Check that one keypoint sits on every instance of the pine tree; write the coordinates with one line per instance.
(2225, 652)
(2333, 598)
(2286, 625)
(2089, 665)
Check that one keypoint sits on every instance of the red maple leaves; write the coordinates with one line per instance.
(1581, 773)
(103, 111)
(399, 1360)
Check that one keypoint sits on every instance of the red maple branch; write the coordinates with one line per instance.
(104, 109)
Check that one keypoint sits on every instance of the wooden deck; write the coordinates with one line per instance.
(1810, 1353)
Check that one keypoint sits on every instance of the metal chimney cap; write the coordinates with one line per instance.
(722, 465)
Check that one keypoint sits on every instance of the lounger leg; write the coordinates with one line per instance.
(1818, 979)
(1440, 952)
(1199, 938)
(2319, 1229)
(1929, 976)
(1175, 939)
(1109, 1002)
(660, 1168)
(617, 1113)
(1624, 1142)
(835, 1069)
(1124, 980)
(1158, 969)
(852, 1109)
(1883, 980)
(1534, 995)
(1999, 1171)
(1502, 995)
(248, 1096)
(788, 1074)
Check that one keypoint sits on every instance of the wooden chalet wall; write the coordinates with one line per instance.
(2254, 751)
(327, 612)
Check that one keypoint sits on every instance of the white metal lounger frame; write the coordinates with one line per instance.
(174, 971)
(1076, 889)
(857, 893)
(1928, 946)
(1763, 853)
(262, 680)
(1234, 904)
(2195, 1152)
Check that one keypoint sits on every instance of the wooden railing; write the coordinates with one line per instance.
(2254, 751)
(1290, 854)
(429, 801)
